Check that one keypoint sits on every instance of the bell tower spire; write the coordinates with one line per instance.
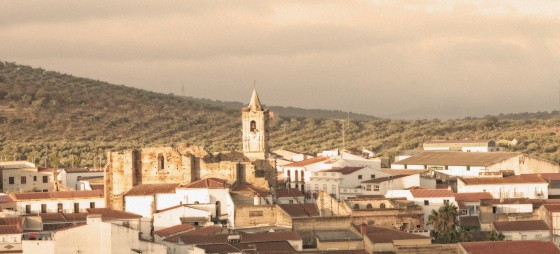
(255, 120)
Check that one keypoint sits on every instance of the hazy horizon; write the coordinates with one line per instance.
(391, 59)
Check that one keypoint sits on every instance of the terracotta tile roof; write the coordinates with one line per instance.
(112, 214)
(307, 162)
(524, 225)
(152, 189)
(469, 221)
(10, 229)
(6, 199)
(431, 193)
(550, 176)
(367, 197)
(334, 252)
(265, 247)
(552, 207)
(446, 158)
(58, 195)
(473, 196)
(249, 188)
(510, 247)
(404, 171)
(537, 203)
(11, 221)
(202, 239)
(518, 179)
(270, 237)
(208, 230)
(344, 170)
(300, 210)
(281, 193)
(466, 141)
(524, 201)
(384, 179)
(384, 235)
(52, 217)
(208, 183)
(174, 230)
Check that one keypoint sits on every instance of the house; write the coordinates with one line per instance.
(476, 164)
(95, 236)
(181, 214)
(146, 199)
(211, 195)
(461, 145)
(338, 240)
(550, 214)
(506, 247)
(54, 221)
(57, 202)
(380, 186)
(504, 209)
(333, 180)
(469, 202)
(289, 196)
(69, 176)
(10, 234)
(24, 176)
(518, 186)
(161, 234)
(236, 248)
(290, 155)
(378, 239)
(553, 180)
(523, 230)
(428, 199)
(297, 175)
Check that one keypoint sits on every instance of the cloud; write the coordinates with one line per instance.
(389, 58)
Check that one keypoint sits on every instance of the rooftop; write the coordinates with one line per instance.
(337, 235)
(208, 183)
(518, 201)
(174, 230)
(58, 195)
(384, 235)
(112, 214)
(151, 189)
(431, 193)
(473, 196)
(526, 225)
(10, 229)
(510, 247)
(344, 170)
(469, 221)
(383, 179)
(465, 141)
(280, 193)
(517, 179)
(307, 162)
(446, 158)
(301, 210)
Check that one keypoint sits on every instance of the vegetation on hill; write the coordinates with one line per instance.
(67, 120)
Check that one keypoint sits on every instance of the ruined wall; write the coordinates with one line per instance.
(118, 177)
(321, 223)
(328, 206)
(262, 173)
(176, 169)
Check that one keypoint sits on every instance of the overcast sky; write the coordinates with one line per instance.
(413, 59)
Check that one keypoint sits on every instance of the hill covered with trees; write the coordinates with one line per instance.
(73, 121)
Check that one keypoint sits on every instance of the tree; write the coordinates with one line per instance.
(495, 236)
(444, 223)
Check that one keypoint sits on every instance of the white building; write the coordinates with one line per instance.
(520, 186)
(523, 230)
(333, 181)
(476, 164)
(297, 175)
(380, 186)
(146, 199)
(57, 202)
(94, 237)
(181, 214)
(469, 203)
(550, 214)
(461, 145)
(428, 199)
(69, 176)
(24, 176)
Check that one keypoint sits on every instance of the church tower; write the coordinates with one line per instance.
(255, 129)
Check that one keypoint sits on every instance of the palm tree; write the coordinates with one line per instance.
(444, 223)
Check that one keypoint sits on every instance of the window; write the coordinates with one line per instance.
(291, 201)
(45, 179)
(161, 162)
(537, 237)
(368, 187)
(11, 180)
(28, 209)
(468, 168)
(255, 213)
(426, 202)
(259, 173)
(359, 176)
(91, 204)
(34, 178)
(23, 180)
(356, 207)
(253, 126)
(376, 187)
(446, 201)
(76, 207)
(464, 212)
(382, 205)
(43, 208)
(59, 207)
(523, 237)
(508, 238)
(372, 176)
(126, 224)
(369, 206)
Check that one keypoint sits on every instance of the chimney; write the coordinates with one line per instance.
(363, 228)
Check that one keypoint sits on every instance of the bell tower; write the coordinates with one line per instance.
(255, 129)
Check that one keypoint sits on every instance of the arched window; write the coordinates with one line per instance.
(161, 162)
(253, 126)
(218, 209)
(369, 206)
(356, 207)
(296, 176)
(382, 205)
(289, 175)
(302, 179)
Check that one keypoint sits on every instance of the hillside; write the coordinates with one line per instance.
(71, 120)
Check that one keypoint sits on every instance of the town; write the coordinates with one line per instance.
(453, 196)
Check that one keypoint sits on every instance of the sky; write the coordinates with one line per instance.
(395, 59)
